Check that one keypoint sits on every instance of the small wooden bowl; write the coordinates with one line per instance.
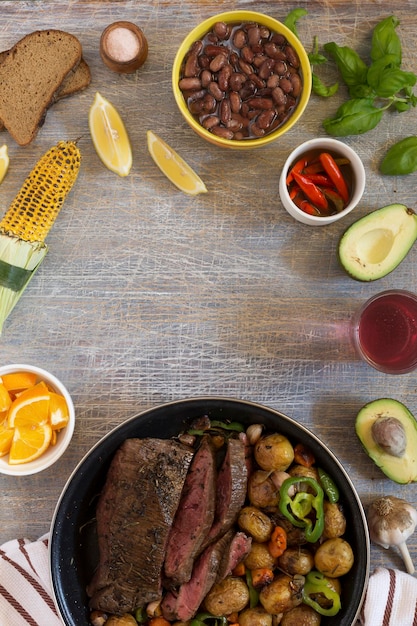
(117, 41)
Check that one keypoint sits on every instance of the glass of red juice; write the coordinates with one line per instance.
(385, 331)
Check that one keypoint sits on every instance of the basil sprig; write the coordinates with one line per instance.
(373, 88)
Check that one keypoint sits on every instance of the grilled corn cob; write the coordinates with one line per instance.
(36, 206)
(30, 217)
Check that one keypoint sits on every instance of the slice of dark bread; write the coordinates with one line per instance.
(30, 75)
(77, 80)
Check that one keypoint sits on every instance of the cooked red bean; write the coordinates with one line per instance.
(190, 83)
(218, 62)
(241, 80)
(221, 30)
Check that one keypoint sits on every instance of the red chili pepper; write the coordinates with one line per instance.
(314, 167)
(306, 206)
(332, 169)
(298, 167)
(312, 192)
(294, 189)
(320, 179)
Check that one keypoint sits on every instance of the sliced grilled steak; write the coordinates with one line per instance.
(237, 550)
(184, 603)
(134, 517)
(231, 489)
(194, 516)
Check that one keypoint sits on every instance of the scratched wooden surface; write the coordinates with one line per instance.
(148, 295)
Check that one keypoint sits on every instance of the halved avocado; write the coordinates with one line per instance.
(375, 245)
(399, 463)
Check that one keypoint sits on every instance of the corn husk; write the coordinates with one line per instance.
(19, 261)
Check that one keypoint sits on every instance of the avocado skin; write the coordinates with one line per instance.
(378, 221)
(401, 470)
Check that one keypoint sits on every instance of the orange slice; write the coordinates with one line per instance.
(5, 399)
(18, 381)
(6, 436)
(31, 407)
(58, 411)
(29, 443)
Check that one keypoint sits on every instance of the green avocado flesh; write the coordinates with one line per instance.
(401, 469)
(375, 245)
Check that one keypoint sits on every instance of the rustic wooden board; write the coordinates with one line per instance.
(148, 295)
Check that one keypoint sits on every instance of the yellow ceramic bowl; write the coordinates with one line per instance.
(236, 17)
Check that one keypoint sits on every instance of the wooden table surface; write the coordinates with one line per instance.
(148, 295)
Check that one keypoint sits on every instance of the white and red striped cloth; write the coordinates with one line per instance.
(26, 594)
(25, 586)
(391, 599)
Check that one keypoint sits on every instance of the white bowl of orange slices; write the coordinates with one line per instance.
(37, 419)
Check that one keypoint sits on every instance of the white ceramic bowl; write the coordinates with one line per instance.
(358, 180)
(53, 453)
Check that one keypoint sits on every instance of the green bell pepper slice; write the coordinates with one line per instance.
(317, 584)
(304, 510)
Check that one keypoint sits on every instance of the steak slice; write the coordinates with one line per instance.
(183, 604)
(194, 517)
(231, 489)
(237, 550)
(134, 514)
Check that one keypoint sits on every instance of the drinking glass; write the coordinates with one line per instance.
(384, 331)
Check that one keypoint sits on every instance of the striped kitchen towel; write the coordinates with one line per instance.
(391, 599)
(26, 592)
(25, 586)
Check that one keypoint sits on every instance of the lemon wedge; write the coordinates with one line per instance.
(174, 167)
(4, 162)
(109, 136)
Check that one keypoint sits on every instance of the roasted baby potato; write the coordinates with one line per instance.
(334, 520)
(283, 594)
(334, 557)
(262, 492)
(296, 561)
(228, 596)
(274, 452)
(255, 523)
(259, 557)
(255, 617)
(301, 615)
(301, 470)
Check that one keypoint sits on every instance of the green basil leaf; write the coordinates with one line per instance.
(361, 91)
(401, 158)
(353, 70)
(385, 40)
(387, 79)
(292, 19)
(354, 117)
(320, 89)
(316, 58)
(401, 107)
(394, 81)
